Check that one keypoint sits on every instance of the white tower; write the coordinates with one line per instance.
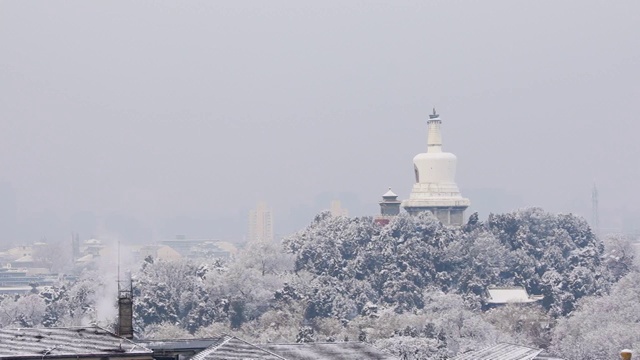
(435, 189)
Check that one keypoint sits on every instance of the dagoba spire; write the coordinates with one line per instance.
(434, 137)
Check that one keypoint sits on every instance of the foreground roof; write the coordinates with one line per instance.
(77, 342)
(180, 344)
(335, 351)
(501, 351)
(232, 348)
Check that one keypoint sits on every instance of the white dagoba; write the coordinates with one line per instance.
(435, 189)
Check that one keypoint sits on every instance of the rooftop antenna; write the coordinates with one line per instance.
(595, 216)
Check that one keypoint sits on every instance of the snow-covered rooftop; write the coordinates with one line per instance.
(24, 259)
(389, 194)
(72, 342)
(505, 295)
(335, 351)
(501, 351)
(231, 348)
(180, 344)
(85, 259)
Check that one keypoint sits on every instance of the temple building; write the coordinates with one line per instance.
(389, 207)
(435, 189)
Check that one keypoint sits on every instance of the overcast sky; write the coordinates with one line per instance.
(151, 118)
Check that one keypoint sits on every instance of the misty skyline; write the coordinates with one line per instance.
(144, 118)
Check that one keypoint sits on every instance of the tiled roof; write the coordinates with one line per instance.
(389, 194)
(73, 342)
(232, 348)
(335, 351)
(502, 351)
(504, 295)
(181, 344)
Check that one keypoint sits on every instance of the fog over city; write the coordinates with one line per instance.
(142, 120)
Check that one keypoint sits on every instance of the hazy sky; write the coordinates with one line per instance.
(177, 117)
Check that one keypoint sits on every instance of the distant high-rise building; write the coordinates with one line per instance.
(261, 223)
(75, 247)
(337, 209)
(435, 189)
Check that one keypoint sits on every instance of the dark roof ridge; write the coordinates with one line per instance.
(319, 342)
(183, 339)
(506, 287)
(122, 338)
(506, 343)
(57, 327)
(514, 344)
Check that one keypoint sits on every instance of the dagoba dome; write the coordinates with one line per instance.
(435, 189)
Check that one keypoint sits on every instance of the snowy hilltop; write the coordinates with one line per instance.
(414, 287)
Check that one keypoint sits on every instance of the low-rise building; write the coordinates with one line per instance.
(17, 281)
(510, 295)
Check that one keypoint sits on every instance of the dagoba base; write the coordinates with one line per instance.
(452, 215)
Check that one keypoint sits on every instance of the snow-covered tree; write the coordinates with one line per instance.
(619, 256)
(174, 292)
(22, 311)
(554, 255)
(601, 326)
(414, 286)
(164, 331)
(526, 324)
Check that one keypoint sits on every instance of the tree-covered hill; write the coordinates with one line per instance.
(413, 287)
(554, 255)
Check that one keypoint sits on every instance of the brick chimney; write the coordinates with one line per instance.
(125, 308)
